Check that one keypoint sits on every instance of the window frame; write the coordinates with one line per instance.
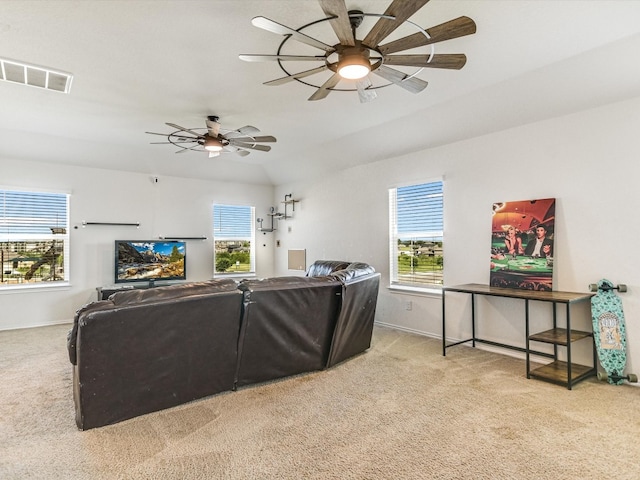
(396, 282)
(251, 238)
(33, 198)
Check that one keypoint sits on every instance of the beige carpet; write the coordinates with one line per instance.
(399, 411)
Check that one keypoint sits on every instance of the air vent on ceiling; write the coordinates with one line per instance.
(35, 76)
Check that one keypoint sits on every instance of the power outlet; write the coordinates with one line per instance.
(408, 305)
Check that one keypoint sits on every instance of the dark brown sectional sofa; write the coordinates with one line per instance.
(142, 351)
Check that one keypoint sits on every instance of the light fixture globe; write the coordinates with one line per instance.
(354, 63)
(212, 144)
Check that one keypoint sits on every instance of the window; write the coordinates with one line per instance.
(234, 239)
(34, 238)
(415, 233)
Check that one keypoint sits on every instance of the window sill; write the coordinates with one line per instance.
(413, 290)
(27, 288)
(235, 275)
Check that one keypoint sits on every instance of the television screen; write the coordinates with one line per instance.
(150, 260)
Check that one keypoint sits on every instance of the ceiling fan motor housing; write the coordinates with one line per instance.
(353, 57)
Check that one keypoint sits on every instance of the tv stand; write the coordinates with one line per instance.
(105, 292)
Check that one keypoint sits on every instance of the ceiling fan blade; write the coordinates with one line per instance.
(341, 24)
(178, 127)
(411, 84)
(213, 154)
(290, 78)
(275, 27)
(265, 139)
(458, 27)
(154, 133)
(288, 58)
(213, 127)
(401, 10)
(260, 139)
(248, 130)
(171, 143)
(253, 146)
(453, 61)
(242, 153)
(365, 95)
(326, 87)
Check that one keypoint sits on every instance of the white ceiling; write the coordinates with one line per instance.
(138, 64)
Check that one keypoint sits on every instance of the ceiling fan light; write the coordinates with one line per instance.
(212, 144)
(353, 67)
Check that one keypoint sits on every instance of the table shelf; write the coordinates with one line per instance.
(557, 372)
(558, 336)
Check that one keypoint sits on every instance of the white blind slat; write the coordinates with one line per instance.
(232, 221)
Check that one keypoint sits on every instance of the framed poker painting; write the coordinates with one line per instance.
(522, 244)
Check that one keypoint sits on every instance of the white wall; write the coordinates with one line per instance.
(172, 206)
(589, 161)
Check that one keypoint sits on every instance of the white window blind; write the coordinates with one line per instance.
(416, 227)
(34, 238)
(234, 238)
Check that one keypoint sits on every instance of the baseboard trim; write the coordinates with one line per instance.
(408, 330)
(51, 324)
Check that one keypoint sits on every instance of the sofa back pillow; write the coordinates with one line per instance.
(320, 268)
(352, 271)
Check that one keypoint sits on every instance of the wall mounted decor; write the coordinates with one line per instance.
(522, 244)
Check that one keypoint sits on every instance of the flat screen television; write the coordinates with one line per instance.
(150, 260)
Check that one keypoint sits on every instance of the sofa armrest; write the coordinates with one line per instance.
(72, 336)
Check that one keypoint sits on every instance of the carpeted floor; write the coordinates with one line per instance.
(399, 411)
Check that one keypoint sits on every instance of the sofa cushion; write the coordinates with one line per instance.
(159, 294)
(287, 326)
(136, 359)
(354, 326)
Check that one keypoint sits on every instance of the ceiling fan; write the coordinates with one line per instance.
(352, 59)
(215, 139)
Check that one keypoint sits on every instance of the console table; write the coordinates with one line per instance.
(560, 372)
(105, 292)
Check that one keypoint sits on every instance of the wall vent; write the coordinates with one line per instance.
(35, 76)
